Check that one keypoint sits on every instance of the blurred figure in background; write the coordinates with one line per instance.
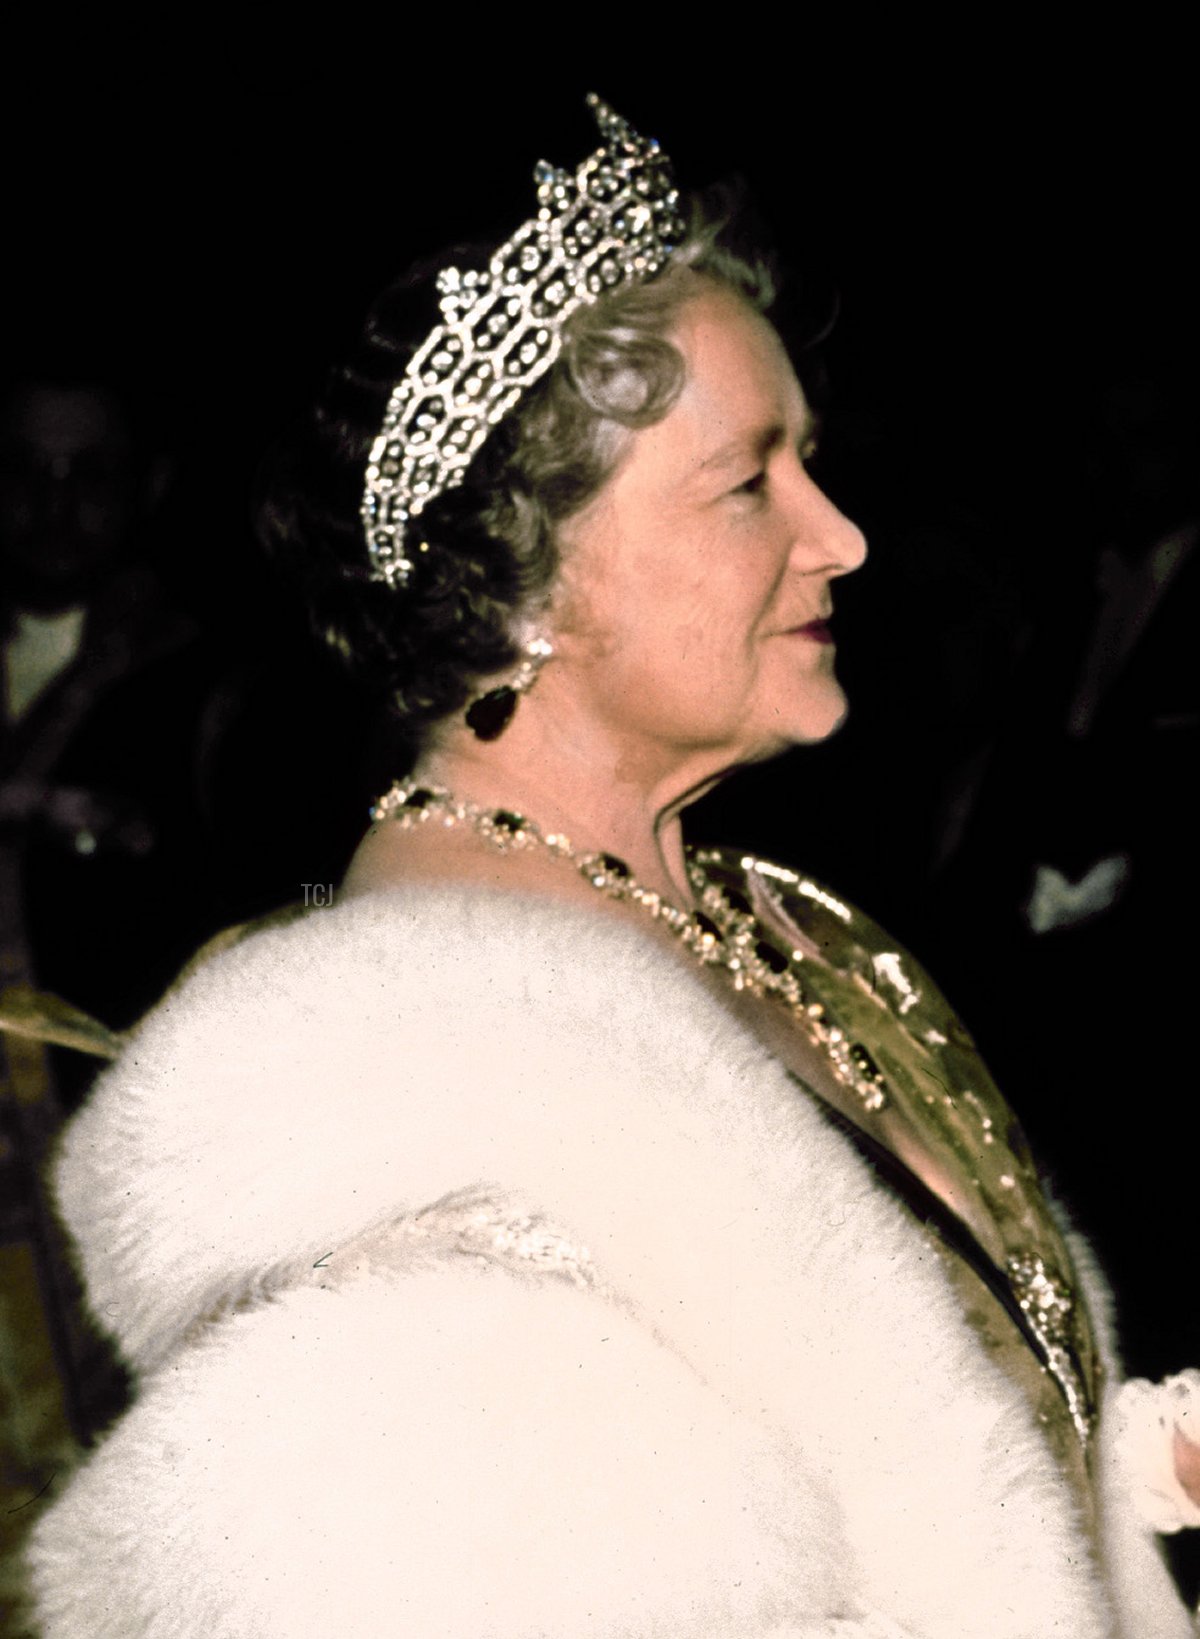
(102, 679)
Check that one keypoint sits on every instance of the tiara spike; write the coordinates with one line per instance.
(614, 220)
(611, 125)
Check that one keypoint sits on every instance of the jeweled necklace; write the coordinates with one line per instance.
(724, 933)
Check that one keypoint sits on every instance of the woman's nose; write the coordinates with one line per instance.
(851, 545)
(826, 540)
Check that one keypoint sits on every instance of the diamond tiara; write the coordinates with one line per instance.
(616, 220)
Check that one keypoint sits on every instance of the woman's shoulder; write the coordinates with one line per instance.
(419, 938)
(316, 1076)
(402, 993)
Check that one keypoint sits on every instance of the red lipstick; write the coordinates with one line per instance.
(817, 631)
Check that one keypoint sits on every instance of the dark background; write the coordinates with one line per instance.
(1006, 218)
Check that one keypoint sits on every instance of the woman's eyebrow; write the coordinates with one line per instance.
(759, 441)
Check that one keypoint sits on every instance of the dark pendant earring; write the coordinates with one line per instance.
(490, 714)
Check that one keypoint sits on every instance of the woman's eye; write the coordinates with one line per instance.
(754, 485)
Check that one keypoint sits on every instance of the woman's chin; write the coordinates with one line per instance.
(810, 730)
(818, 719)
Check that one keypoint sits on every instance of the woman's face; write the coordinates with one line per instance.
(697, 584)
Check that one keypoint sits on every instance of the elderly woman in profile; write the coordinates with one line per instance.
(570, 1232)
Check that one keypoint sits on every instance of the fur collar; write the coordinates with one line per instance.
(322, 1078)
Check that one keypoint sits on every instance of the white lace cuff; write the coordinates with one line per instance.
(1146, 1416)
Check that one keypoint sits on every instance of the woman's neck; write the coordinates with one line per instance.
(598, 799)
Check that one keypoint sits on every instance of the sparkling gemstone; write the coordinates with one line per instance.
(864, 1061)
(603, 183)
(771, 955)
